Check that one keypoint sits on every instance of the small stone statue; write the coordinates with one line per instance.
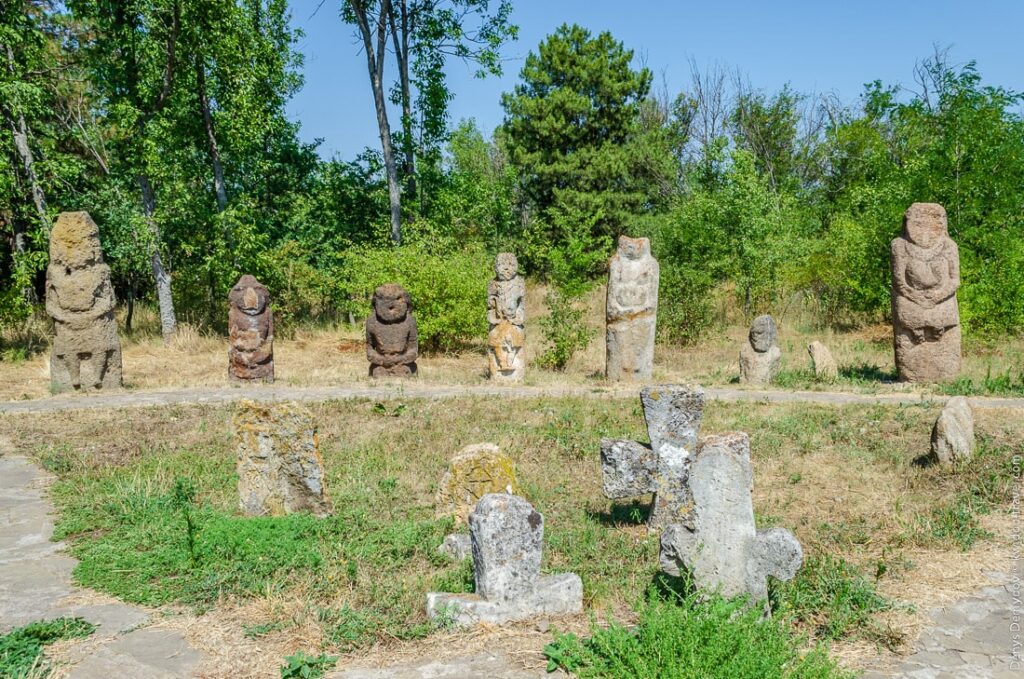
(391, 344)
(925, 278)
(80, 299)
(506, 314)
(631, 311)
(250, 332)
(759, 358)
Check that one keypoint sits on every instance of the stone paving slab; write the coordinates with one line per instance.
(481, 666)
(216, 395)
(151, 653)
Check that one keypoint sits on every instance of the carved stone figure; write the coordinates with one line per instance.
(631, 310)
(391, 344)
(760, 357)
(925, 278)
(506, 314)
(825, 367)
(80, 299)
(250, 332)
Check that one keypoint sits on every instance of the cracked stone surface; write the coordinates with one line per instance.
(969, 639)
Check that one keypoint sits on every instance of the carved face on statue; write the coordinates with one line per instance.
(391, 303)
(249, 296)
(763, 333)
(925, 224)
(634, 248)
(506, 266)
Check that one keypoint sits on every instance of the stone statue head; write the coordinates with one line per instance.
(249, 296)
(763, 333)
(75, 242)
(391, 303)
(506, 266)
(634, 248)
(925, 224)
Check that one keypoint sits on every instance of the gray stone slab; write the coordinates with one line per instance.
(150, 653)
(479, 666)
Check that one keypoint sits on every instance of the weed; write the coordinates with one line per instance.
(304, 666)
(21, 649)
(1005, 384)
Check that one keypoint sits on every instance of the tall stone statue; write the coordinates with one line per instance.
(631, 311)
(760, 357)
(925, 277)
(250, 332)
(80, 299)
(391, 344)
(506, 314)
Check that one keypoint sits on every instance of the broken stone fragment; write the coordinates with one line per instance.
(824, 365)
(953, 433)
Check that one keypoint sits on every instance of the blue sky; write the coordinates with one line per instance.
(821, 46)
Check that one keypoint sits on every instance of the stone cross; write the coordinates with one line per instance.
(80, 298)
(280, 470)
(250, 332)
(506, 314)
(475, 471)
(630, 468)
(392, 345)
(631, 311)
(925, 277)
(507, 537)
(760, 357)
(717, 542)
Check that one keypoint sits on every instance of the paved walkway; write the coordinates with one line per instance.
(391, 391)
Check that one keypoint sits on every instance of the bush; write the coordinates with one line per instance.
(563, 329)
(449, 292)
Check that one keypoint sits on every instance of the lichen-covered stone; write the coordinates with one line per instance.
(456, 546)
(925, 277)
(825, 367)
(86, 351)
(631, 311)
(250, 332)
(506, 314)
(475, 471)
(507, 536)
(280, 470)
(760, 357)
(630, 468)
(953, 433)
(392, 345)
(717, 543)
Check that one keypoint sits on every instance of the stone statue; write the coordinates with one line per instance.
(506, 313)
(759, 358)
(391, 344)
(80, 299)
(631, 311)
(925, 277)
(250, 331)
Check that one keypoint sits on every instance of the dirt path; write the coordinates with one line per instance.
(393, 390)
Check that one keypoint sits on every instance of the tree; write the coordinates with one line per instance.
(423, 33)
(572, 129)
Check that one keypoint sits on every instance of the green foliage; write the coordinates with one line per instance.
(686, 637)
(448, 291)
(21, 649)
(304, 666)
(563, 329)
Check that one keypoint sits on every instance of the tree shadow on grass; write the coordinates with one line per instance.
(867, 373)
(632, 513)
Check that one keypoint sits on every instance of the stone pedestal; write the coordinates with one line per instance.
(925, 316)
(250, 332)
(86, 353)
(631, 311)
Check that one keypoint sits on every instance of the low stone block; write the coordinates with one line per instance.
(953, 433)
(560, 594)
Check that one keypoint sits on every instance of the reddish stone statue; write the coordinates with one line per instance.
(391, 344)
(250, 332)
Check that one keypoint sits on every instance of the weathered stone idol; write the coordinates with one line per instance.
(391, 344)
(475, 471)
(630, 468)
(506, 314)
(760, 357)
(953, 433)
(250, 332)
(717, 543)
(507, 537)
(825, 367)
(278, 460)
(80, 298)
(631, 310)
(925, 278)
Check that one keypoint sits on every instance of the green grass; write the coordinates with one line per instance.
(1009, 383)
(683, 637)
(21, 649)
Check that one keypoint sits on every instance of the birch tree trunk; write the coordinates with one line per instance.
(168, 321)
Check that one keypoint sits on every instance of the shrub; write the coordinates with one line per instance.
(563, 329)
(449, 292)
